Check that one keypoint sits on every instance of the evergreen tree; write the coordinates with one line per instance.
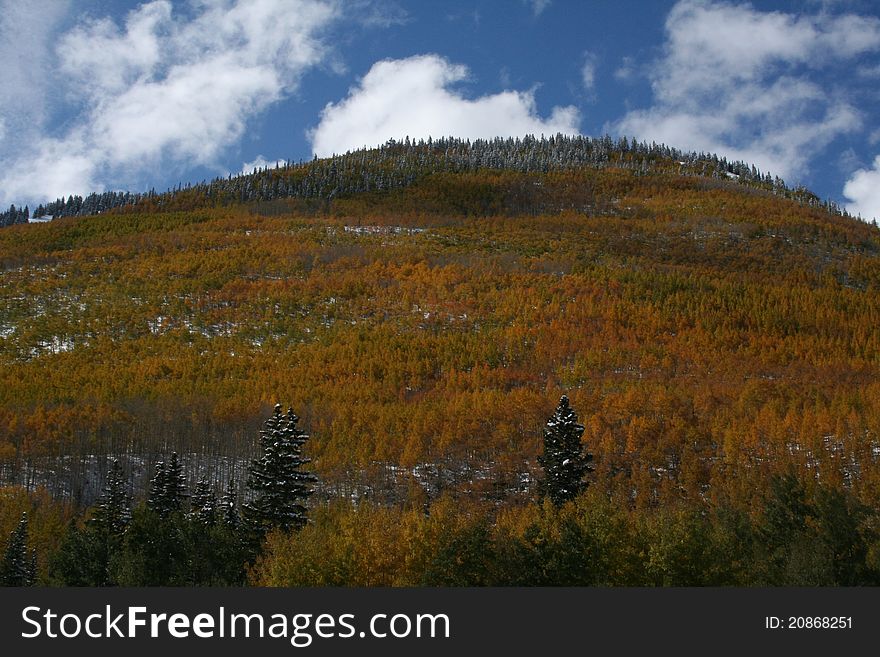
(564, 460)
(113, 511)
(276, 478)
(229, 507)
(175, 484)
(167, 488)
(18, 568)
(87, 553)
(155, 497)
(203, 505)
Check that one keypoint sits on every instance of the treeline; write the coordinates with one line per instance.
(802, 533)
(397, 165)
(94, 203)
(174, 538)
(14, 216)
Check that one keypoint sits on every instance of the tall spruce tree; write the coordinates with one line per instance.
(18, 568)
(113, 511)
(87, 553)
(564, 460)
(229, 507)
(203, 504)
(167, 488)
(157, 487)
(276, 478)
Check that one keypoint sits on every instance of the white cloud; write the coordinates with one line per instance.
(164, 87)
(26, 29)
(191, 114)
(55, 167)
(869, 71)
(538, 6)
(413, 97)
(863, 192)
(105, 58)
(260, 162)
(588, 71)
(738, 81)
(627, 70)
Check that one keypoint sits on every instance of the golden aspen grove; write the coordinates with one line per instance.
(422, 308)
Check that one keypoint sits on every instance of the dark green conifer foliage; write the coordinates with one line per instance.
(203, 504)
(156, 494)
(113, 510)
(87, 552)
(167, 488)
(175, 484)
(276, 478)
(229, 507)
(18, 568)
(564, 460)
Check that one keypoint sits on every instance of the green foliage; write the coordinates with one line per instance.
(178, 551)
(228, 511)
(203, 504)
(588, 541)
(564, 461)
(84, 558)
(19, 566)
(276, 478)
(113, 510)
(167, 488)
(821, 537)
(464, 558)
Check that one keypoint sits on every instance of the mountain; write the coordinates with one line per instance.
(424, 306)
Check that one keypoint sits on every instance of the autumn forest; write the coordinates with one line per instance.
(422, 310)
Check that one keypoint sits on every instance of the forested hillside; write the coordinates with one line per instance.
(397, 165)
(423, 308)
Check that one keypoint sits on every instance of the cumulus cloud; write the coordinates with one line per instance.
(167, 87)
(863, 192)
(738, 81)
(415, 97)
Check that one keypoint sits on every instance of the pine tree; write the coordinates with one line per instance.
(155, 498)
(113, 511)
(87, 554)
(564, 460)
(229, 507)
(18, 568)
(276, 477)
(203, 505)
(167, 488)
(175, 484)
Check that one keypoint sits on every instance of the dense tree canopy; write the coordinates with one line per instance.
(719, 340)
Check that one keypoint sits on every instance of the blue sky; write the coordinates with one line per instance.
(131, 95)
